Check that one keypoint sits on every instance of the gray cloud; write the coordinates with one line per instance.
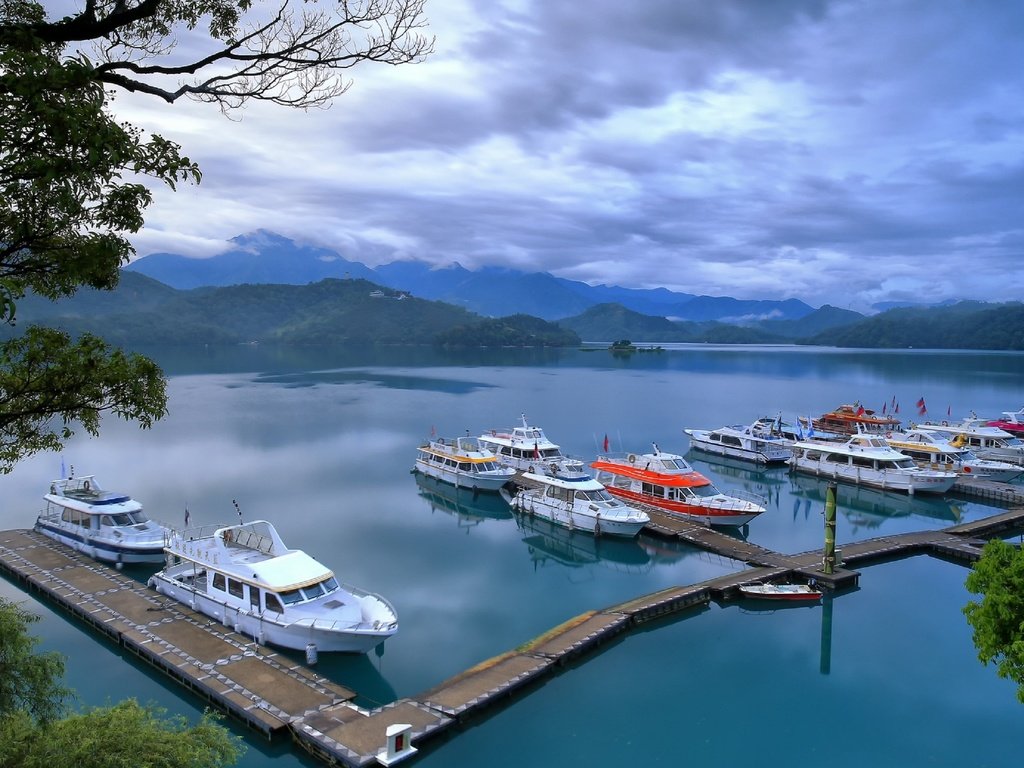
(843, 152)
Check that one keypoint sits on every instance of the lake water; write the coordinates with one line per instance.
(323, 444)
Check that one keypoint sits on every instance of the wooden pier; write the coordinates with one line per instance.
(272, 694)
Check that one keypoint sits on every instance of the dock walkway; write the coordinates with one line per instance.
(272, 694)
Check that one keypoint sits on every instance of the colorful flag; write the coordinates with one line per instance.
(536, 450)
(921, 408)
(920, 403)
(860, 410)
(606, 442)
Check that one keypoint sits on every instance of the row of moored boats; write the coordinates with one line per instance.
(244, 576)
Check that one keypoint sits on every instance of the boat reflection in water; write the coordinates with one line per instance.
(468, 507)
(551, 543)
(360, 673)
(868, 507)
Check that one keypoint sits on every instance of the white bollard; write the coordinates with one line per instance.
(311, 654)
(399, 745)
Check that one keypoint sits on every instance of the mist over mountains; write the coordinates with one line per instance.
(266, 257)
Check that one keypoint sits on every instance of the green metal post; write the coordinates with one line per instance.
(829, 563)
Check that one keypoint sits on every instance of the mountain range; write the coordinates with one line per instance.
(267, 257)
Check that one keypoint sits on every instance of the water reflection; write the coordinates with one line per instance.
(468, 507)
(359, 672)
(870, 508)
(548, 543)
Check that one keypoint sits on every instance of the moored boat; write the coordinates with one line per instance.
(1012, 422)
(463, 462)
(985, 441)
(742, 441)
(789, 432)
(245, 577)
(527, 449)
(666, 481)
(782, 592)
(869, 460)
(576, 501)
(855, 419)
(934, 451)
(105, 525)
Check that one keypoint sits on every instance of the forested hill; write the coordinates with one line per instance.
(967, 325)
(143, 311)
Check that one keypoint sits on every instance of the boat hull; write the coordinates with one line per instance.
(476, 481)
(903, 482)
(109, 551)
(266, 631)
(574, 519)
(755, 454)
(788, 593)
(726, 514)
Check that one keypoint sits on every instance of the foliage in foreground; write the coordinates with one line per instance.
(36, 732)
(998, 618)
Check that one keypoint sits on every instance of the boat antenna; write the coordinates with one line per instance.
(238, 510)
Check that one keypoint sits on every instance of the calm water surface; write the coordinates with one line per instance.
(323, 446)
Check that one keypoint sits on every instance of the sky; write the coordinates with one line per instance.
(846, 152)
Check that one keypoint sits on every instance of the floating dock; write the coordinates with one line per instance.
(272, 694)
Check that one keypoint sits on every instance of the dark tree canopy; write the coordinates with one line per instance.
(998, 618)
(75, 182)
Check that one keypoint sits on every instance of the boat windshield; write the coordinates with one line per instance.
(675, 464)
(701, 491)
(311, 592)
(598, 495)
(124, 518)
(486, 466)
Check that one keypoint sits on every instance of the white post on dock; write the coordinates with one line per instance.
(399, 745)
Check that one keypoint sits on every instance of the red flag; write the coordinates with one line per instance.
(860, 410)
(536, 450)
(921, 409)
(920, 403)
(606, 443)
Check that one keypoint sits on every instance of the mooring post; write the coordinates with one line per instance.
(829, 561)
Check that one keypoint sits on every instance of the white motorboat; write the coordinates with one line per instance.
(742, 441)
(245, 577)
(983, 440)
(934, 451)
(784, 592)
(789, 432)
(527, 449)
(869, 460)
(576, 501)
(105, 525)
(463, 462)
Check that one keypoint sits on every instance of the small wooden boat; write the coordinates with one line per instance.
(783, 592)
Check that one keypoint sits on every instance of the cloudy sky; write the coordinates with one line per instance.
(844, 152)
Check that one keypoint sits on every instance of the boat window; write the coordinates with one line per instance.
(330, 584)
(837, 458)
(291, 597)
(906, 463)
(118, 519)
(254, 597)
(862, 461)
(75, 517)
(218, 581)
(273, 603)
(715, 437)
(488, 466)
(730, 440)
(313, 591)
(465, 466)
(675, 464)
(621, 481)
(234, 587)
(138, 516)
(650, 489)
(704, 491)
